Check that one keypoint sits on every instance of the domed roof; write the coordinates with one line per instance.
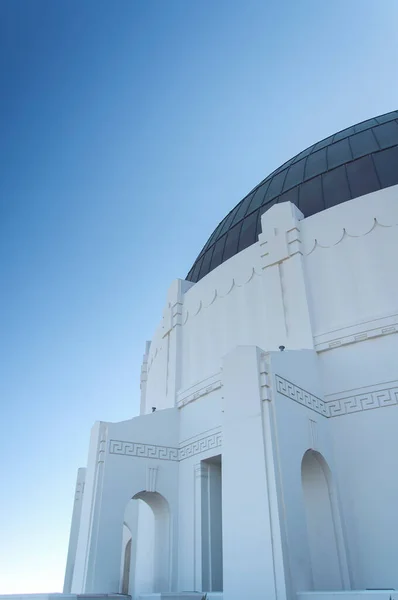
(353, 162)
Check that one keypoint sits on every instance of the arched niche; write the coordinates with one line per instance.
(159, 550)
(325, 539)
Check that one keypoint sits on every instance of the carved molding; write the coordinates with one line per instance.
(140, 450)
(265, 379)
(151, 478)
(172, 316)
(366, 400)
(79, 492)
(352, 334)
(144, 371)
(202, 388)
(280, 236)
(222, 287)
(176, 314)
(296, 393)
(278, 246)
(102, 448)
(344, 404)
(214, 440)
(328, 237)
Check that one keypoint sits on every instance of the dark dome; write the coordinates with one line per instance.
(353, 162)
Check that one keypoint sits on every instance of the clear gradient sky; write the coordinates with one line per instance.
(128, 129)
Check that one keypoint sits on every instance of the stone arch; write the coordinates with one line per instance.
(326, 546)
(162, 539)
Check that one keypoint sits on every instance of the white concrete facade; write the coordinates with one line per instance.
(262, 473)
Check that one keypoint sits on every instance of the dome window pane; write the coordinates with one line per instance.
(205, 268)
(258, 197)
(386, 163)
(275, 187)
(362, 176)
(242, 210)
(365, 125)
(218, 252)
(302, 154)
(387, 134)
(338, 154)
(323, 143)
(341, 135)
(227, 222)
(335, 187)
(388, 117)
(231, 244)
(311, 197)
(295, 174)
(248, 232)
(363, 143)
(289, 196)
(196, 270)
(316, 164)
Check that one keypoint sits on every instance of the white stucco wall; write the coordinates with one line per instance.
(350, 261)
(366, 469)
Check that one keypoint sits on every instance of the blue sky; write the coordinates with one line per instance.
(128, 129)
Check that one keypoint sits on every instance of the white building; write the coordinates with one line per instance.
(269, 468)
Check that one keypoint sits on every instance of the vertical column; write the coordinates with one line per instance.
(74, 530)
(253, 568)
(144, 379)
(172, 330)
(215, 529)
(201, 524)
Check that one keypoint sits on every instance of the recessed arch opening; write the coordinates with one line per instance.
(323, 523)
(155, 538)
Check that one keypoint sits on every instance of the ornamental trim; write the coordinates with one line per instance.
(153, 451)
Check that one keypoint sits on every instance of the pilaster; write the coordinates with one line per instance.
(172, 334)
(286, 303)
(251, 529)
(144, 378)
(201, 474)
(74, 530)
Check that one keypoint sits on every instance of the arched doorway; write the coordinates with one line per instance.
(322, 517)
(158, 548)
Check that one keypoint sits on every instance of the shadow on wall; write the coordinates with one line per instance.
(126, 568)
